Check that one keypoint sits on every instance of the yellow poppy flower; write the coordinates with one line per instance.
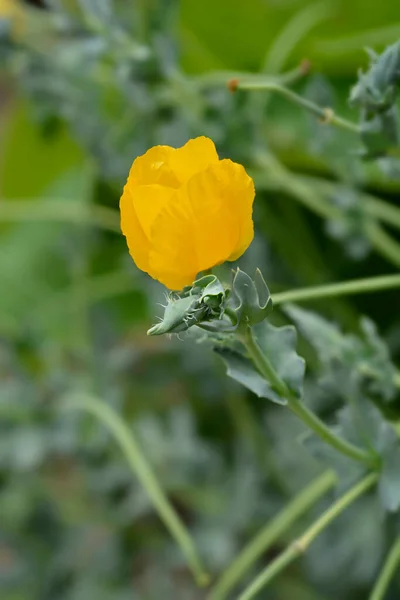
(12, 10)
(184, 211)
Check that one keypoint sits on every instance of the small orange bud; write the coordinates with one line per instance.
(233, 85)
(305, 66)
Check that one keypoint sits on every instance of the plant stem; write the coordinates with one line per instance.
(271, 532)
(326, 115)
(392, 562)
(344, 288)
(56, 210)
(144, 473)
(251, 429)
(375, 207)
(217, 78)
(383, 243)
(281, 178)
(298, 408)
(300, 546)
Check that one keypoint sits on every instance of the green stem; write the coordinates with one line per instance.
(298, 408)
(271, 532)
(56, 210)
(251, 429)
(383, 243)
(279, 177)
(326, 115)
(293, 32)
(142, 470)
(300, 546)
(392, 563)
(344, 288)
(217, 78)
(375, 207)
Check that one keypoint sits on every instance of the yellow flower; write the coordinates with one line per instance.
(184, 211)
(14, 12)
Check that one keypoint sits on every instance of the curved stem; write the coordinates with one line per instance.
(392, 563)
(326, 115)
(374, 206)
(218, 78)
(383, 243)
(251, 429)
(300, 546)
(298, 408)
(344, 288)
(144, 473)
(279, 177)
(65, 210)
(293, 32)
(271, 532)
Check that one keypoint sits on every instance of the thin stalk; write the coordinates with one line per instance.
(68, 211)
(383, 243)
(298, 408)
(293, 32)
(251, 429)
(301, 545)
(326, 115)
(344, 288)
(144, 473)
(391, 566)
(271, 532)
(218, 78)
(305, 193)
(374, 206)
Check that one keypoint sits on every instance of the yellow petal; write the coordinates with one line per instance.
(173, 259)
(148, 201)
(184, 211)
(204, 224)
(154, 168)
(196, 155)
(240, 197)
(137, 241)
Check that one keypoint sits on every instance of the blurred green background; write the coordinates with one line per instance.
(86, 86)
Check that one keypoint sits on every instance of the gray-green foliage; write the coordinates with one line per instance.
(75, 524)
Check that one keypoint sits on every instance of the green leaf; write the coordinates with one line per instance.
(240, 368)
(389, 482)
(279, 345)
(324, 336)
(380, 132)
(27, 149)
(376, 89)
(250, 299)
(366, 358)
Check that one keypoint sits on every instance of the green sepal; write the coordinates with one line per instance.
(202, 302)
(250, 300)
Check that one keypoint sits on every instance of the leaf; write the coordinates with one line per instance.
(240, 368)
(279, 345)
(26, 149)
(389, 481)
(324, 336)
(376, 362)
(250, 299)
(365, 358)
(347, 470)
(380, 132)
